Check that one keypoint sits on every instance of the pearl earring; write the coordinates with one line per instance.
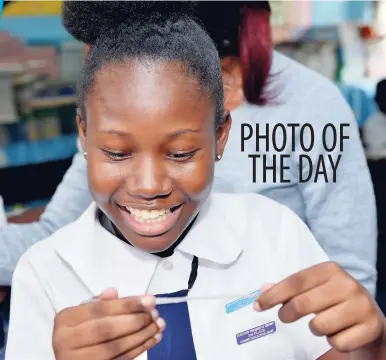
(218, 157)
(85, 154)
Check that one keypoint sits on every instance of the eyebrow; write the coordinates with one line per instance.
(182, 132)
(114, 132)
(171, 135)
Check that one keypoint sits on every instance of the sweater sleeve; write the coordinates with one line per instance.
(340, 212)
(70, 200)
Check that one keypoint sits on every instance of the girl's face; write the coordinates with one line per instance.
(151, 147)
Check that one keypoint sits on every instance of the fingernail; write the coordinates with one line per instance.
(108, 294)
(158, 337)
(266, 287)
(148, 301)
(109, 289)
(256, 306)
(154, 314)
(161, 324)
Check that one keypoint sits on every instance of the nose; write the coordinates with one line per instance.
(149, 180)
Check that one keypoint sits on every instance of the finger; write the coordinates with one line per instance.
(343, 316)
(335, 319)
(109, 328)
(314, 301)
(355, 337)
(133, 354)
(116, 347)
(108, 294)
(296, 284)
(99, 309)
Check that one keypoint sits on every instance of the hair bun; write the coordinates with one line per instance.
(87, 20)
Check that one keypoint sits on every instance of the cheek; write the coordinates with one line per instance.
(195, 178)
(104, 179)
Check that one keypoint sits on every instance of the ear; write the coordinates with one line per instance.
(222, 134)
(82, 130)
(232, 82)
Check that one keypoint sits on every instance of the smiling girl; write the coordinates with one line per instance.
(152, 125)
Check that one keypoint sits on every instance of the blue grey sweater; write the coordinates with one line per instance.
(341, 213)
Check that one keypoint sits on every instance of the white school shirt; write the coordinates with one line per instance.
(241, 240)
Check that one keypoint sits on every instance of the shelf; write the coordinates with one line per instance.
(51, 102)
(25, 153)
(11, 69)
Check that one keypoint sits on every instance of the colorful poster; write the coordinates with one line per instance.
(33, 8)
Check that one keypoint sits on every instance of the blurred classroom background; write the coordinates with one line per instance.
(40, 62)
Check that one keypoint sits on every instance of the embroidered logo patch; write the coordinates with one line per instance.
(256, 333)
(242, 302)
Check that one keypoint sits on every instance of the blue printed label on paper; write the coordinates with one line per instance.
(243, 302)
(256, 333)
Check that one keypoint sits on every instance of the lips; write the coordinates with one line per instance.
(154, 222)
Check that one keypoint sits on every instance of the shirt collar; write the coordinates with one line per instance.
(101, 260)
(217, 235)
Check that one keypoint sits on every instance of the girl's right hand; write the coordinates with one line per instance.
(107, 329)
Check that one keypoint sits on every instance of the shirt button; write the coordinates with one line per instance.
(168, 265)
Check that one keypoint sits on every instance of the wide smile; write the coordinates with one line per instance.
(151, 222)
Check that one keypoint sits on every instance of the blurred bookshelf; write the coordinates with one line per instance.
(38, 134)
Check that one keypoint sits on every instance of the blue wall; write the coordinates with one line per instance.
(36, 30)
(325, 13)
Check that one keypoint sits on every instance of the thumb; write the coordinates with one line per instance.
(108, 294)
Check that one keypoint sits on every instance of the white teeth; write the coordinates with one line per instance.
(146, 216)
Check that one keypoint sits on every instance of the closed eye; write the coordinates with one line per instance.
(116, 156)
(181, 157)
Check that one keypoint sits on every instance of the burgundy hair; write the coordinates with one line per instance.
(256, 47)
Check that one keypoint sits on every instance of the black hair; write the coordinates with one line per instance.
(222, 20)
(144, 30)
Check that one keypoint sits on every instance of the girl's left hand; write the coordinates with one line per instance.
(345, 312)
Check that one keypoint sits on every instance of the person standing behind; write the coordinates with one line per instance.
(274, 89)
(265, 88)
